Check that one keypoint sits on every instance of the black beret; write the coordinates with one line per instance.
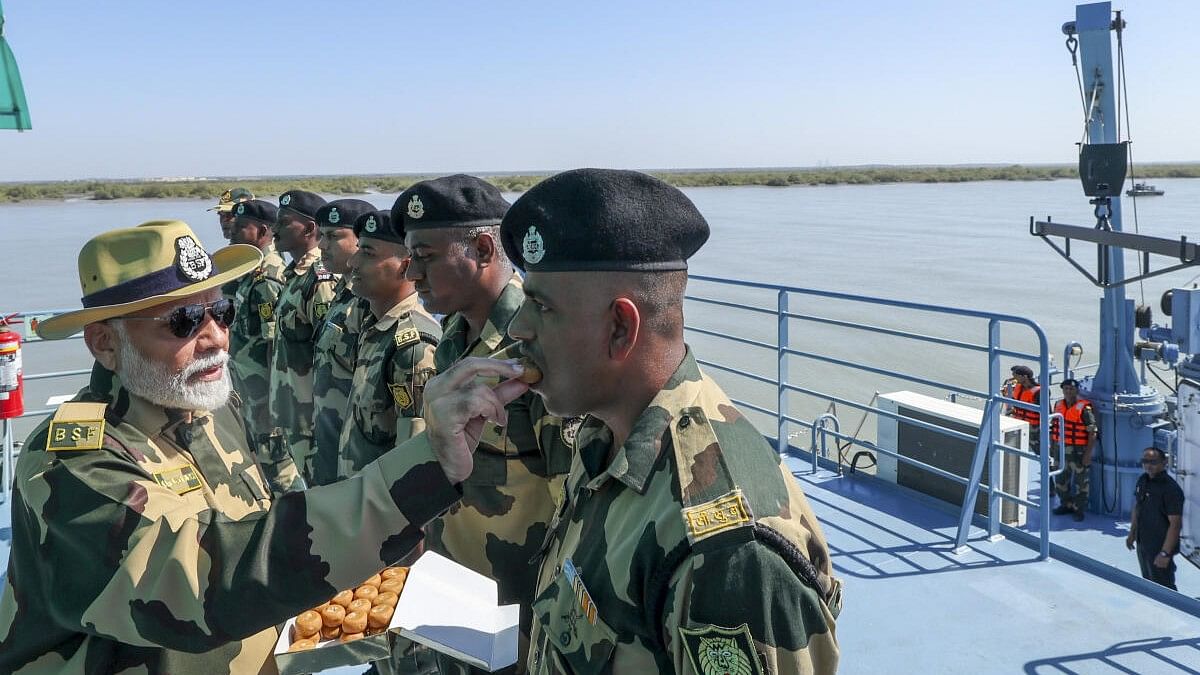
(450, 201)
(302, 202)
(342, 212)
(1022, 370)
(603, 220)
(256, 209)
(378, 225)
(1071, 381)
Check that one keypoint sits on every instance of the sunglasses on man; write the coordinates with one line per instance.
(187, 319)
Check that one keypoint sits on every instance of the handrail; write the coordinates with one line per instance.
(987, 443)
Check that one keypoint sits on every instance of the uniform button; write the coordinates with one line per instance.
(565, 638)
(685, 422)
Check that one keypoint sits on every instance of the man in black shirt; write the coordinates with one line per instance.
(1156, 520)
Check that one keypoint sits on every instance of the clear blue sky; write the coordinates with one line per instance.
(173, 88)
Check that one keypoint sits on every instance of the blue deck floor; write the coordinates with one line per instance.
(914, 606)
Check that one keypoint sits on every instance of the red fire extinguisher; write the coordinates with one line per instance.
(12, 380)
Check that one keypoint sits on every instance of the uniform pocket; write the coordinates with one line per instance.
(376, 421)
(574, 638)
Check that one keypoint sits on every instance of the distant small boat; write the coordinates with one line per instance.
(1144, 190)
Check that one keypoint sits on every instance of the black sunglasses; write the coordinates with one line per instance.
(187, 319)
(1151, 461)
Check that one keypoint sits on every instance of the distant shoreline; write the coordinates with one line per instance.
(357, 185)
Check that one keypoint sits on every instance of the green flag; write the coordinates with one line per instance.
(14, 114)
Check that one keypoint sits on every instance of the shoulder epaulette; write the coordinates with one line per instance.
(76, 426)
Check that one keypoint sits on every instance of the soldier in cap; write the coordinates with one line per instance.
(224, 208)
(1023, 387)
(253, 331)
(451, 227)
(144, 535)
(682, 544)
(1079, 427)
(303, 303)
(337, 336)
(395, 351)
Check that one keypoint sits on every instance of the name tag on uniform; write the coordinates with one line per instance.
(727, 511)
(180, 480)
(583, 599)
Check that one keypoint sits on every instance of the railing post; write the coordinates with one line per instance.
(8, 461)
(982, 448)
(995, 459)
(1044, 449)
(781, 443)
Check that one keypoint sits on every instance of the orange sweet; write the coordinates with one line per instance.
(333, 615)
(343, 598)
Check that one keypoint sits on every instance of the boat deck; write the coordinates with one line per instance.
(994, 608)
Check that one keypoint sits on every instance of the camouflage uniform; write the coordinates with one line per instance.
(333, 372)
(395, 359)
(1075, 470)
(302, 307)
(509, 498)
(692, 551)
(251, 337)
(154, 546)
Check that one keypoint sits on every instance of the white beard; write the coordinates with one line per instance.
(157, 384)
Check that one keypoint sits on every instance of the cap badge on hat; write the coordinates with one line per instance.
(370, 225)
(191, 259)
(285, 200)
(334, 217)
(533, 249)
(241, 209)
(415, 208)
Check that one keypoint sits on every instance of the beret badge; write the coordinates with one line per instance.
(334, 216)
(370, 225)
(533, 249)
(285, 200)
(415, 208)
(241, 209)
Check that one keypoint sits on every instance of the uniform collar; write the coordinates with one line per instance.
(306, 261)
(388, 320)
(635, 460)
(496, 329)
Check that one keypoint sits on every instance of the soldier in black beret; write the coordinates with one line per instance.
(667, 464)
(337, 337)
(452, 229)
(300, 311)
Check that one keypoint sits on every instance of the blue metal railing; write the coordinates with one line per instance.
(987, 442)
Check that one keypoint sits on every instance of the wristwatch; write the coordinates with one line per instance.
(1164, 554)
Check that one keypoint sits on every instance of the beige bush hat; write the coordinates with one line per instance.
(127, 270)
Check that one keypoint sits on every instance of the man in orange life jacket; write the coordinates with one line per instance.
(1027, 390)
(1079, 422)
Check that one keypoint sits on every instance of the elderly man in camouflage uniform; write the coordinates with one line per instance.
(395, 352)
(303, 304)
(682, 545)
(451, 230)
(144, 537)
(253, 331)
(337, 335)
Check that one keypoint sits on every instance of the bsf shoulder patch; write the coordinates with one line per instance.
(726, 512)
(76, 426)
(400, 395)
(407, 337)
(180, 480)
(320, 310)
(265, 310)
(714, 650)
